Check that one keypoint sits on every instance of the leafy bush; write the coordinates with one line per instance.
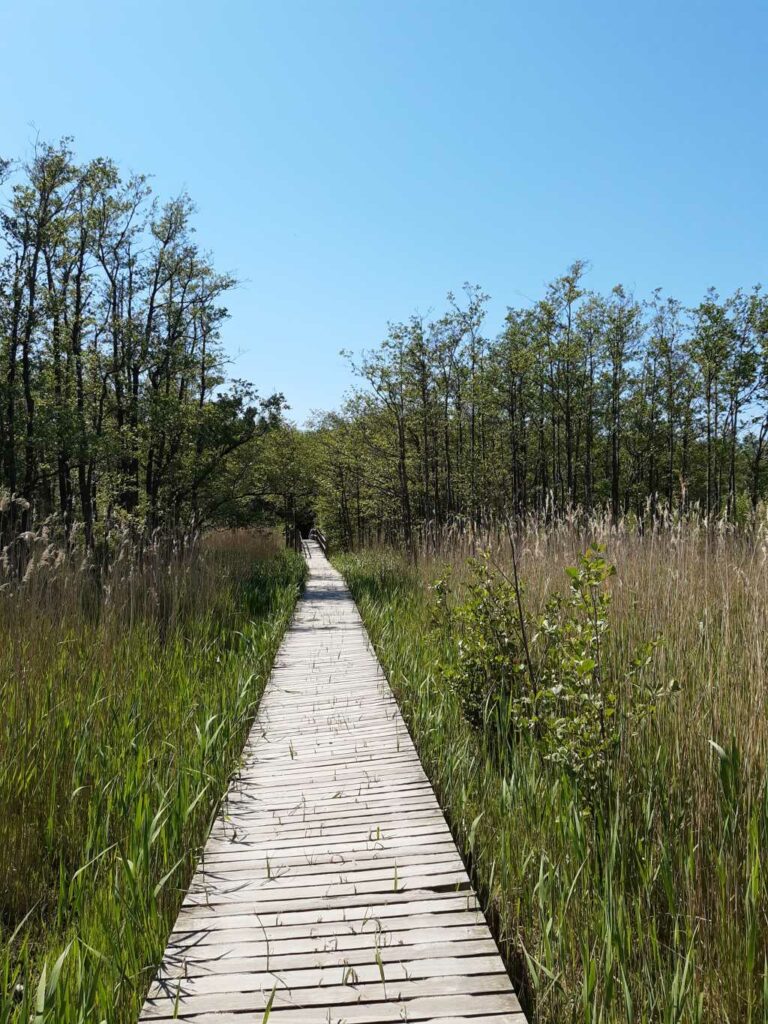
(542, 676)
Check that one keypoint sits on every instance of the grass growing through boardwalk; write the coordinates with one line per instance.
(648, 904)
(124, 706)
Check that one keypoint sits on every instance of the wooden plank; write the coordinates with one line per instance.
(221, 894)
(224, 834)
(340, 995)
(283, 956)
(360, 859)
(367, 820)
(440, 1010)
(348, 909)
(292, 977)
(330, 884)
(205, 921)
(229, 941)
(274, 874)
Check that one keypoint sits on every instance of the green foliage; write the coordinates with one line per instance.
(553, 691)
(489, 664)
(115, 408)
(582, 401)
(650, 904)
(121, 732)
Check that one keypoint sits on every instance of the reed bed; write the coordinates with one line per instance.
(127, 687)
(652, 907)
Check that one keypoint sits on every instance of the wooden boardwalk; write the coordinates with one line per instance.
(330, 889)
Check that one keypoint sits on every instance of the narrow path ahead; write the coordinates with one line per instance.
(330, 889)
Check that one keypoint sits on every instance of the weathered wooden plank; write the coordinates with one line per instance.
(340, 808)
(225, 837)
(222, 893)
(360, 860)
(387, 778)
(438, 1010)
(274, 874)
(285, 955)
(239, 1001)
(293, 977)
(330, 885)
(461, 909)
(353, 908)
(367, 819)
(223, 833)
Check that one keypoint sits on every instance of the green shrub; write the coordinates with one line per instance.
(542, 677)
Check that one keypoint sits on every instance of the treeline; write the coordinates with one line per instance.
(583, 400)
(114, 407)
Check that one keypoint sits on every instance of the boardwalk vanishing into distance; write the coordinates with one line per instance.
(330, 888)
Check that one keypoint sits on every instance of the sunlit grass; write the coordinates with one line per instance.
(125, 701)
(655, 908)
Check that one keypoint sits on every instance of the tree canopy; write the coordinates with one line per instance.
(583, 400)
(115, 407)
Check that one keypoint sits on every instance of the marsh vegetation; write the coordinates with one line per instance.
(625, 868)
(127, 695)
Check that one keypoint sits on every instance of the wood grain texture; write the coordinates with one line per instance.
(330, 888)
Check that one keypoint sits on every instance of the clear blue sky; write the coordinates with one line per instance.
(352, 161)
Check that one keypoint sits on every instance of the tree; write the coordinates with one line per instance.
(113, 395)
(583, 401)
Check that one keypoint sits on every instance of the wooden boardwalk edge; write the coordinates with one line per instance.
(330, 889)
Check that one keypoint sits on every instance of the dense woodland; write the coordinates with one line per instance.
(113, 404)
(582, 401)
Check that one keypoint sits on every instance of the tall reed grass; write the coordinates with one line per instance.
(655, 908)
(126, 692)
